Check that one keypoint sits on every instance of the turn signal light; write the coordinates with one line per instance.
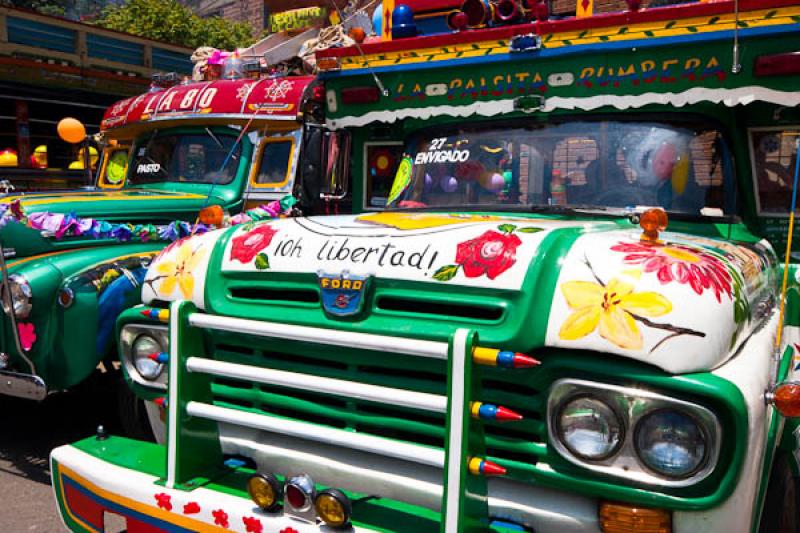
(653, 221)
(360, 95)
(777, 64)
(786, 399)
(619, 518)
(334, 508)
(212, 215)
(300, 492)
(265, 491)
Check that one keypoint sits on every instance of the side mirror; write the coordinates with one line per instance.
(71, 130)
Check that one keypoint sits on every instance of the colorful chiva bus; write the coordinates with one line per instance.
(75, 259)
(570, 318)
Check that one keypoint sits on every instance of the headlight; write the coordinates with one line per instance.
(671, 443)
(589, 428)
(143, 346)
(21, 295)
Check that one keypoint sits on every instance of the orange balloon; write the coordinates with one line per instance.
(71, 130)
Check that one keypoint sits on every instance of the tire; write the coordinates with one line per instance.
(779, 514)
(132, 413)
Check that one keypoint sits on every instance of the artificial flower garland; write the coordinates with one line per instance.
(62, 225)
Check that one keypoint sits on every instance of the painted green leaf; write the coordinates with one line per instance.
(507, 228)
(446, 273)
(530, 229)
(262, 261)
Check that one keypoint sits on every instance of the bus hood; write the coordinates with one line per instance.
(129, 204)
(683, 303)
(134, 205)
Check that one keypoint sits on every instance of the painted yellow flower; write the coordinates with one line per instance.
(179, 272)
(612, 308)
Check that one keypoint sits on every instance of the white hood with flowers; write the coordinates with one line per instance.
(682, 303)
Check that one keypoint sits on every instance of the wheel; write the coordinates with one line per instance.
(779, 514)
(132, 413)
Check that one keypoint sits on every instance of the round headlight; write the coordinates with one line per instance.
(589, 428)
(21, 295)
(671, 443)
(143, 346)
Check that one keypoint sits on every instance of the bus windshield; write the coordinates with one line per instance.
(185, 157)
(578, 164)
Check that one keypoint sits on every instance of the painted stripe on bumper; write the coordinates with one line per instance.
(87, 484)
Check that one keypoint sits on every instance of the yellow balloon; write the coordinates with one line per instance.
(680, 173)
(71, 130)
(8, 158)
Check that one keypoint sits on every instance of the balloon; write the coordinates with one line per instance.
(428, 182)
(496, 182)
(680, 173)
(377, 20)
(8, 158)
(71, 130)
(664, 160)
(449, 184)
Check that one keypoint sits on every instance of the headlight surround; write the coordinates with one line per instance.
(21, 296)
(670, 442)
(142, 347)
(638, 456)
(589, 427)
(128, 336)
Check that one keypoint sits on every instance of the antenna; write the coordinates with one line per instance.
(788, 248)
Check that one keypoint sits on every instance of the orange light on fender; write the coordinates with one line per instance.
(620, 518)
(786, 399)
(212, 215)
(653, 221)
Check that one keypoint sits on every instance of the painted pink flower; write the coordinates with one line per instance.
(289, 530)
(164, 501)
(27, 335)
(246, 247)
(681, 263)
(252, 524)
(191, 508)
(220, 517)
(491, 254)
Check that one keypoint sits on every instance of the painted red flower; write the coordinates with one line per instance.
(246, 247)
(289, 530)
(492, 254)
(164, 501)
(191, 508)
(677, 262)
(220, 517)
(252, 524)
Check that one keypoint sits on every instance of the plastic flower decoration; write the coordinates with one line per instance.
(612, 309)
(179, 272)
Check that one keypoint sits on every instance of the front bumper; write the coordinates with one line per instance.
(87, 488)
(122, 477)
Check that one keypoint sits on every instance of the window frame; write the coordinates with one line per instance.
(753, 171)
(256, 168)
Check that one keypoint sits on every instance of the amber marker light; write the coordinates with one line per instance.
(265, 491)
(212, 215)
(653, 221)
(620, 518)
(786, 399)
(333, 507)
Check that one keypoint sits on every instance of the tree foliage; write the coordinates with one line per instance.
(169, 21)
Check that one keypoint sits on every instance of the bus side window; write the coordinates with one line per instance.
(380, 166)
(275, 163)
(774, 155)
